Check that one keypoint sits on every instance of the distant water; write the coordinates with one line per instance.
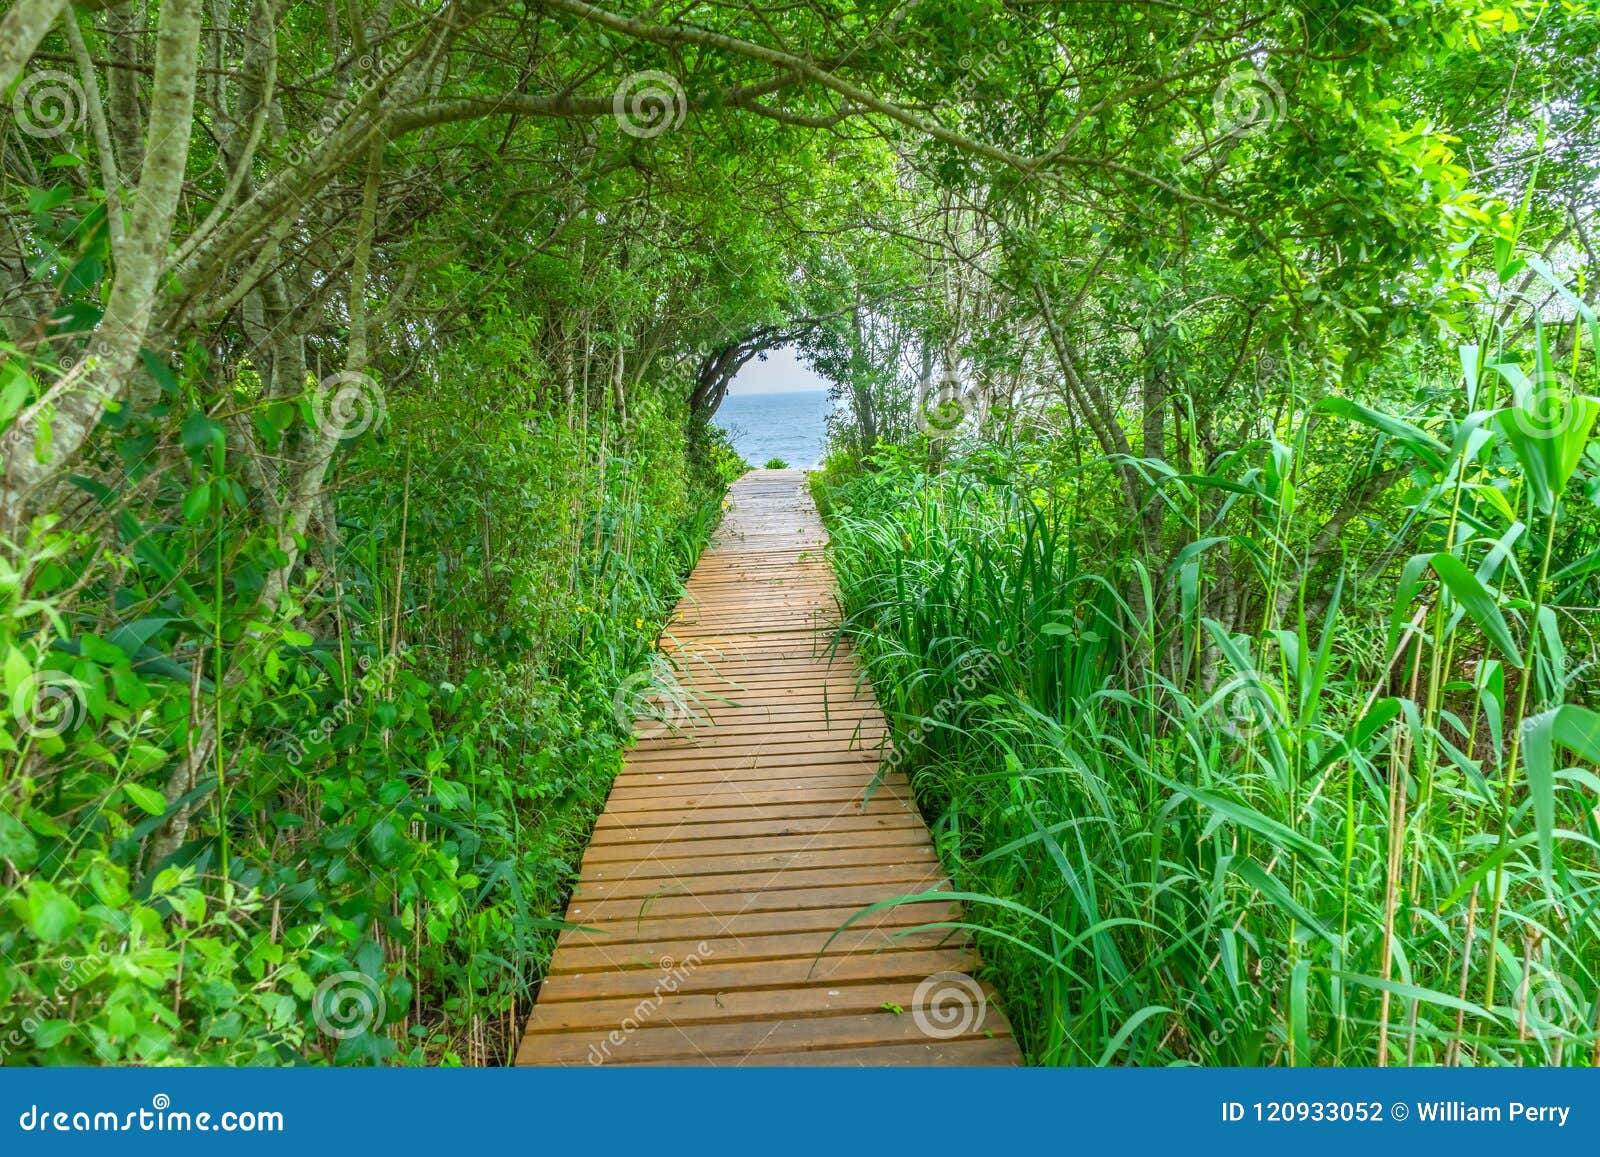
(787, 426)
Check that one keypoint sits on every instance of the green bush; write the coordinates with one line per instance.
(714, 458)
(1182, 833)
(344, 831)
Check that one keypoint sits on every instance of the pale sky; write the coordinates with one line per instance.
(781, 373)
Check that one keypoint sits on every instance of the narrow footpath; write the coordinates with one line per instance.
(740, 836)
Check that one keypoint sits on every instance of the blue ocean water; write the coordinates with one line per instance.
(787, 426)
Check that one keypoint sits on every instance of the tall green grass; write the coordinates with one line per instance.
(1352, 825)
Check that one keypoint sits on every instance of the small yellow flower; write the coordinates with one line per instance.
(638, 622)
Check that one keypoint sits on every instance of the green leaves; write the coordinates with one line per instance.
(1547, 427)
(1417, 992)
(51, 914)
(1579, 306)
(1548, 437)
(17, 844)
(199, 434)
(1279, 834)
(1569, 726)
(1468, 591)
(1430, 450)
(1476, 599)
(150, 800)
(17, 386)
(1274, 890)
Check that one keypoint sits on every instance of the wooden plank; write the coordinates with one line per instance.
(707, 795)
(711, 905)
(698, 925)
(740, 1040)
(773, 899)
(970, 1053)
(684, 777)
(896, 880)
(813, 736)
(648, 762)
(785, 825)
(687, 868)
(729, 1005)
(736, 712)
(743, 787)
(675, 784)
(714, 976)
(655, 954)
(878, 805)
(739, 845)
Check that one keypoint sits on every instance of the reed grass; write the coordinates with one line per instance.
(1364, 834)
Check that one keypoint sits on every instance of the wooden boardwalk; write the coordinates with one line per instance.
(736, 842)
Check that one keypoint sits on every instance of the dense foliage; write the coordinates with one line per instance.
(312, 648)
(1231, 368)
(1229, 572)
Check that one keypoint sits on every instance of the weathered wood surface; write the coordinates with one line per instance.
(740, 836)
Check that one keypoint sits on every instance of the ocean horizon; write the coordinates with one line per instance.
(790, 426)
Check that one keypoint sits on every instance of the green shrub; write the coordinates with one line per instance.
(398, 768)
(1182, 831)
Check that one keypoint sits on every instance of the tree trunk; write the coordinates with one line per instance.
(74, 405)
(20, 32)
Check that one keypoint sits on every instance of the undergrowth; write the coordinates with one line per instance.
(360, 847)
(1343, 815)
